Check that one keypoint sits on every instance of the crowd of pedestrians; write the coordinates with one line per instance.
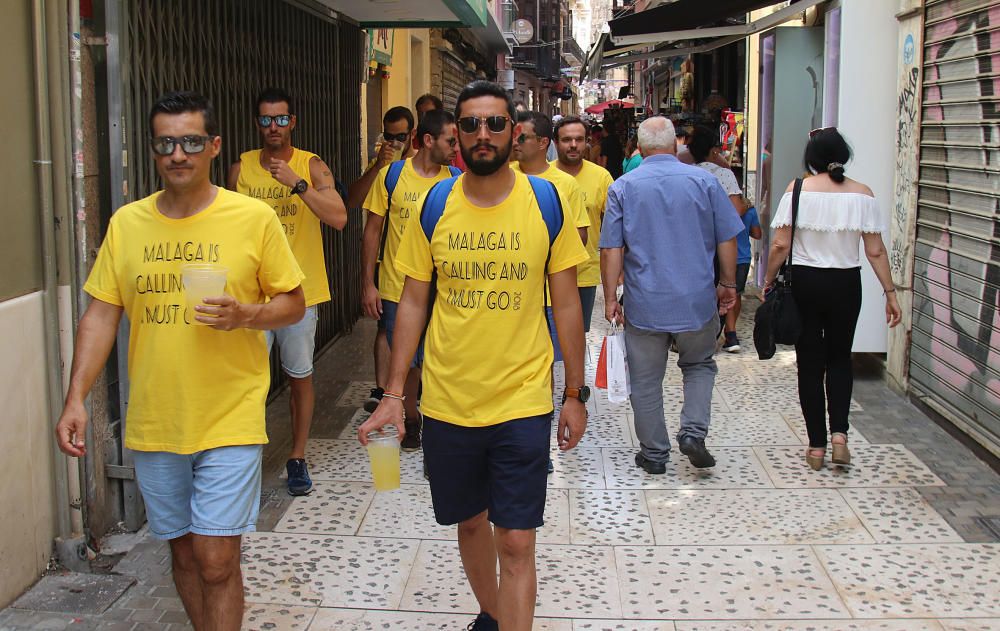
(490, 223)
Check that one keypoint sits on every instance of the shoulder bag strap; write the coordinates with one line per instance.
(796, 193)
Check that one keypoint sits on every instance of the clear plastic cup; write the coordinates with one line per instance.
(202, 280)
(383, 456)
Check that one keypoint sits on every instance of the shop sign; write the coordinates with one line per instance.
(380, 44)
(523, 31)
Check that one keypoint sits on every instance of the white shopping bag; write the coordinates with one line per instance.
(619, 388)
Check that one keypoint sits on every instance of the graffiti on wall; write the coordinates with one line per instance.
(959, 275)
(907, 140)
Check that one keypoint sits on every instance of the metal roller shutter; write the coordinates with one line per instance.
(454, 77)
(955, 351)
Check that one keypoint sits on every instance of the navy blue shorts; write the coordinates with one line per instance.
(587, 297)
(502, 469)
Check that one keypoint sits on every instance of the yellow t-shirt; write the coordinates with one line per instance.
(301, 225)
(488, 355)
(407, 198)
(192, 387)
(594, 181)
(567, 185)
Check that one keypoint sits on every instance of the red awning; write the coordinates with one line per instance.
(600, 107)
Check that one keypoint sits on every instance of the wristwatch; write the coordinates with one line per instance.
(582, 394)
(300, 187)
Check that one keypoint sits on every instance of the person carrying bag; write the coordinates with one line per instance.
(612, 366)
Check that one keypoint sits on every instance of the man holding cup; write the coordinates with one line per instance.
(300, 188)
(492, 239)
(196, 412)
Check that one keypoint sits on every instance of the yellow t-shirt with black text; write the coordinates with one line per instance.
(301, 225)
(191, 387)
(594, 181)
(488, 354)
(407, 198)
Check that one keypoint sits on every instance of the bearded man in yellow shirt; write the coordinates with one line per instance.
(300, 188)
(199, 377)
(487, 239)
(594, 180)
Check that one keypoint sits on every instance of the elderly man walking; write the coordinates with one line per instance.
(664, 223)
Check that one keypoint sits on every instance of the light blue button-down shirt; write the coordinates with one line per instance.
(669, 217)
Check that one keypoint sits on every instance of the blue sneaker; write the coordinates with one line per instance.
(299, 482)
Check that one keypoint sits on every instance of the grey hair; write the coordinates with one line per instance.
(657, 134)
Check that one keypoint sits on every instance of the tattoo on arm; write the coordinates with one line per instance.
(322, 188)
(327, 173)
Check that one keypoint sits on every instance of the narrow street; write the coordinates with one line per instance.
(759, 542)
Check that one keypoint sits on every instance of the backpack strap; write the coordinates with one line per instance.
(549, 204)
(455, 171)
(391, 180)
(434, 206)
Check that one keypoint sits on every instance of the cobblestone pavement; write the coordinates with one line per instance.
(760, 542)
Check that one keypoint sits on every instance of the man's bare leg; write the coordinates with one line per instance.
(479, 558)
(302, 403)
(733, 315)
(218, 560)
(518, 583)
(381, 352)
(187, 579)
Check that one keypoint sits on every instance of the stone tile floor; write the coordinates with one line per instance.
(760, 542)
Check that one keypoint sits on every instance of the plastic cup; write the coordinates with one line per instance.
(202, 280)
(383, 456)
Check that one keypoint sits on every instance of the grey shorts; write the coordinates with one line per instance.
(296, 344)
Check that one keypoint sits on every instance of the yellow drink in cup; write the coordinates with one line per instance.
(383, 455)
(202, 280)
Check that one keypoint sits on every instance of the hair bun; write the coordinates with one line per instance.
(836, 171)
(833, 166)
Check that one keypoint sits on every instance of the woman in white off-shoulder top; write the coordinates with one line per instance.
(835, 213)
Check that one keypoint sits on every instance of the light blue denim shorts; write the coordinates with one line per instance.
(215, 492)
(296, 344)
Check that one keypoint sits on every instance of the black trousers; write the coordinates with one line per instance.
(829, 301)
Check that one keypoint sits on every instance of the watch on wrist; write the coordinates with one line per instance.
(582, 394)
(300, 187)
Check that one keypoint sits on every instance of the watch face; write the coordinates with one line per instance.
(584, 394)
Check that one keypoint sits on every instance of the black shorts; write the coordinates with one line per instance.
(502, 469)
(742, 269)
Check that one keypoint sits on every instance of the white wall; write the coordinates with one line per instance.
(867, 118)
(27, 521)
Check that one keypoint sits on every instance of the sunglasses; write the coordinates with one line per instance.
(282, 120)
(470, 124)
(524, 137)
(165, 145)
(813, 133)
(403, 137)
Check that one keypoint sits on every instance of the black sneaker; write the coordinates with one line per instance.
(373, 399)
(551, 466)
(483, 622)
(697, 453)
(299, 482)
(650, 467)
(411, 441)
(732, 343)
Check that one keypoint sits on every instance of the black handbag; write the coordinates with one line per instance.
(778, 320)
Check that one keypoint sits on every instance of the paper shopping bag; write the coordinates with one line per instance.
(619, 388)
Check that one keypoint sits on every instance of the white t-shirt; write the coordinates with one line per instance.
(829, 226)
(725, 176)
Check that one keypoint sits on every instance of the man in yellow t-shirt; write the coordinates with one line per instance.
(300, 188)
(198, 372)
(487, 398)
(571, 143)
(387, 221)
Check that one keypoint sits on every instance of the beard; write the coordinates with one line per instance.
(489, 166)
(563, 157)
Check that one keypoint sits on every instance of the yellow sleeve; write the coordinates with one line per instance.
(103, 281)
(377, 200)
(413, 258)
(567, 250)
(279, 272)
(606, 183)
(575, 199)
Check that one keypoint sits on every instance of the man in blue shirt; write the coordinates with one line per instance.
(664, 223)
(751, 228)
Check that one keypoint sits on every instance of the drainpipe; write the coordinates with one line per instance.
(50, 302)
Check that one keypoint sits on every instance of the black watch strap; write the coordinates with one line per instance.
(300, 187)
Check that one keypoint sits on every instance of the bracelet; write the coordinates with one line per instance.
(728, 285)
(888, 291)
(393, 395)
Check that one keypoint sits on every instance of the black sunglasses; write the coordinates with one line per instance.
(470, 124)
(282, 120)
(403, 137)
(523, 137)
(165, 145)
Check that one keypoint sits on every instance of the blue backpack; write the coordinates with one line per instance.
(391, 180)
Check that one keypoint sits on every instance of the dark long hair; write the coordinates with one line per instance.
(827, 152)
